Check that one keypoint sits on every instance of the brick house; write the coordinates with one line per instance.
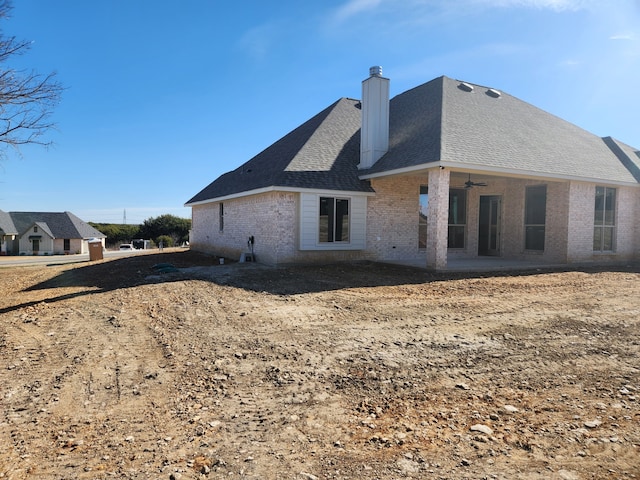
(446, 171)
(45, 233)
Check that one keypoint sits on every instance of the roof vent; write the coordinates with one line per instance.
(492, 92)
(467, 87)
(375, 71)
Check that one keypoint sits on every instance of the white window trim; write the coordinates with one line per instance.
(309, 222)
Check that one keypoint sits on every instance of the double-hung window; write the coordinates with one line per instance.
(334, 220)
(535, 207)
(457, 218)
(604, 220)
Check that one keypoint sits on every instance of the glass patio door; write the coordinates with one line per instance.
(489, 225)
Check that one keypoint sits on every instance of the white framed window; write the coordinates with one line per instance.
(604, 220)
(332, 222)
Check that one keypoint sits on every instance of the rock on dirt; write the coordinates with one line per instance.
(114, 369)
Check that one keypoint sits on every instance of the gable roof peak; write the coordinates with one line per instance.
(322, 153)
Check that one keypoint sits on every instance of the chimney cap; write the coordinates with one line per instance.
(375, 71)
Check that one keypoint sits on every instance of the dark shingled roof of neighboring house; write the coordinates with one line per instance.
(322, 153)
(444, 122)
(57, 224)
(6, 224)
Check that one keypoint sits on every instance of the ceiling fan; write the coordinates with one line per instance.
(470, 184)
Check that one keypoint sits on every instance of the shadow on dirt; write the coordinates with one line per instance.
(319, 278)
(123, 272)
(144, 269)
(126, 272)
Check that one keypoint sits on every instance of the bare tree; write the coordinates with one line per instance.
(27, 98)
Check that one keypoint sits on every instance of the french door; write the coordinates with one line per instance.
(489, 225)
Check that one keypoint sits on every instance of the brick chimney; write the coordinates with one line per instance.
(374, 134)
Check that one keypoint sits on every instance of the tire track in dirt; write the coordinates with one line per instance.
(287, 374)
(97, 367)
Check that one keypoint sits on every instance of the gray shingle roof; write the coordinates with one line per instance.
(629, 156)
(439, 121)
(321, 153)
(415, 128)
(44, 227)
(503, 133)
(6, 224)
(58, 224)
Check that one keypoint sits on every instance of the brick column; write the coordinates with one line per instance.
(438, 219)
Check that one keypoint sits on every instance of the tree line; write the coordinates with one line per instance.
(166, 229)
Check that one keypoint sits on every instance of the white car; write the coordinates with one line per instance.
(126, 247)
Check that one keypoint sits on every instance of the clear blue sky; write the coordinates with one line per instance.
(163, 96)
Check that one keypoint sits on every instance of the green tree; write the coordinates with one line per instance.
(27, 99)
(117, 233)
(175, 227)
(165, 241)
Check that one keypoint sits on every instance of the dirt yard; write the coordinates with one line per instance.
(116, 369)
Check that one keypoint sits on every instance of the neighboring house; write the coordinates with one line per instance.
(8, 232)
(45, 233)
(446, 171)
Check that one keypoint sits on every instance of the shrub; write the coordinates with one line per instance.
(166, 240)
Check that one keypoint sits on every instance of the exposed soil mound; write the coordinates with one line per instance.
(173, 366)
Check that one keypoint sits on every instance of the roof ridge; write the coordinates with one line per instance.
(623, 157)
(475, 84)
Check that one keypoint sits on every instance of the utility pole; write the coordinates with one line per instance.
(124, 217)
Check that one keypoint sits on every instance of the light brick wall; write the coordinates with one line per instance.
(581, 213)
(580, 222)
(272, 218)
(76, 245)
(627, 219)
(438, 219)
(635, 219)
(392, 219)
(512, 193)
(557, 229)
(392, 224)
(514, 201)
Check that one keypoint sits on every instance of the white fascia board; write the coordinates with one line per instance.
(319, 191)
(401, 171)
(259, 191)
(508, 172)
(518, 173)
